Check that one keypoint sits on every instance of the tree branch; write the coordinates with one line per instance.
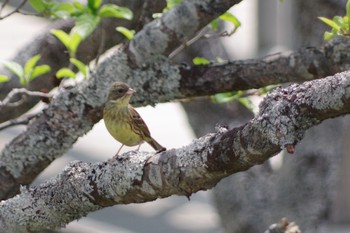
(73, 113)
(174, 28)
(136, 177)
(302, 65)
(52, 54)
(23, 93)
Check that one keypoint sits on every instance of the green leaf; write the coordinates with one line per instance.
(38, 5)
(227, 16)
(79, 64)
(112, 10)
(79, 6)
(338, 20)
(85, 25)
(94, 4)
(63, 10)
(65, 7)
(200, 61)
(15, 68)
(172, 3)
(39, 70)
(126, 32)
(65, 72)
(30, 64)
(62, 36)
(71, 41)
(246, 102)
(328, 35)
(74, 42)
(330, 23)
(348, 9)
(214, 24)
(3, 78)
(226, 96)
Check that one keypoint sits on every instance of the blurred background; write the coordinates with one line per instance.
(267, 27)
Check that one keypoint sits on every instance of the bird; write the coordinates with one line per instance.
(123, 122)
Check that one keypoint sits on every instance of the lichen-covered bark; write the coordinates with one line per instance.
(303, 188)
(73, 113)
(50, 49)
(302, 65)
(140, 176)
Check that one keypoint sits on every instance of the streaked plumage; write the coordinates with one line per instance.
(123, 122)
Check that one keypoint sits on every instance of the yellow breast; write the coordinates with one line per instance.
(116, 121)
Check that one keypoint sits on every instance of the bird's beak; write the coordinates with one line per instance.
(130, 91)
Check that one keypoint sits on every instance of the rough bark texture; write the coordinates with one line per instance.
(304, 188)
(284, 117)
(103, 38)
(139, 176)
(304, 64)
(73, 112)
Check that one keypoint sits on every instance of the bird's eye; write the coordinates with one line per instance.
(120, 91)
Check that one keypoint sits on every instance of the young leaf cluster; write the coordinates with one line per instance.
(87, 18)
(27, 73)
(340, 25)
(68, 73)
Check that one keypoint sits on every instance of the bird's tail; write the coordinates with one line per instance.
(156, 145)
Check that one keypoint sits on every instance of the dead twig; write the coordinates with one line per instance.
(201, 34)
(17, 91)
(23, 120)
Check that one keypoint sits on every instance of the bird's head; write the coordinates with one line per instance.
(120, 92)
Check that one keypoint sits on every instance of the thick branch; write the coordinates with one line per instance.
(177, 26)
(302, 65)
(52, 54)
(74, 112)
(55, 133)
(57, 128)
(137, 177)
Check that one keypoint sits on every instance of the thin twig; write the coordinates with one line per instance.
(23, 120)
(201, 34)
(221, 34)
(15, 10)
(7, 101)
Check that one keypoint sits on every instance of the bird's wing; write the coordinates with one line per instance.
(139, 126)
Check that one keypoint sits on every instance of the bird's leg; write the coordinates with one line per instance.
(119, 149)
(138, 148)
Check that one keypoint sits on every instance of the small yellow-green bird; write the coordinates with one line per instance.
(123, 122)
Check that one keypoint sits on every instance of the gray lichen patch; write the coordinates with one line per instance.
(327, 93)
(186, 156)
(159, 81)
(286, 113)
(52, 204)
(151, 41)
(187, 20)
(120, 172)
